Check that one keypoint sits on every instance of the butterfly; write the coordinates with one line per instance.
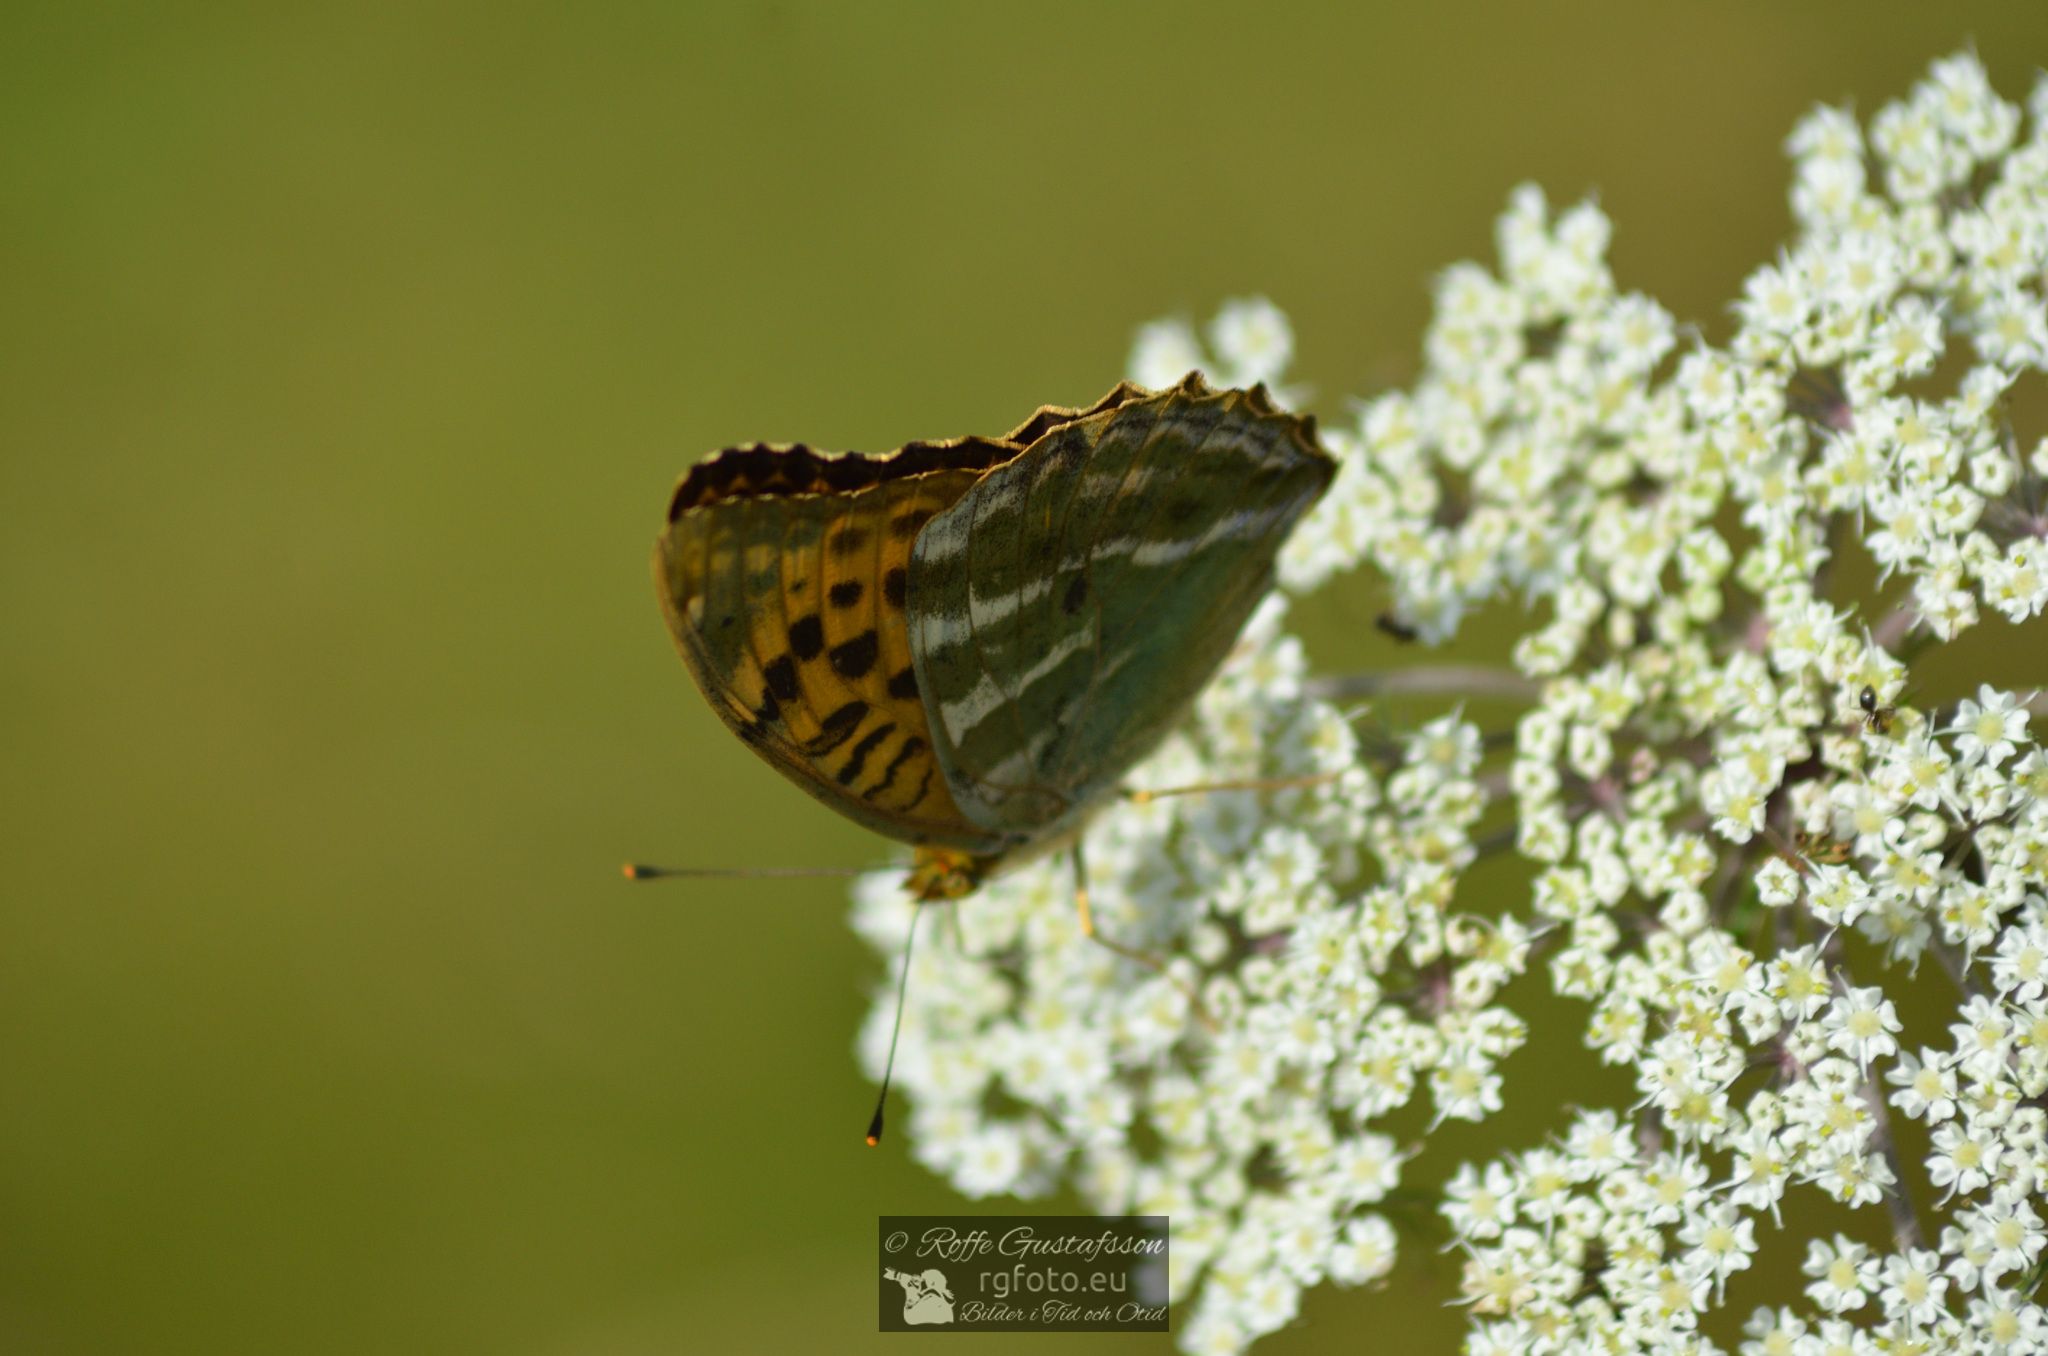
(965, 645)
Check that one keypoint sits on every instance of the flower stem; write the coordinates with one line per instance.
(1468, 680)
(1898, 1201)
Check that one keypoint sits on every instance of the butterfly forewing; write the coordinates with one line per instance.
(1069, 606)
(789, 609)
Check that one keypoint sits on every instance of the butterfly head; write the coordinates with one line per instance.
(938, 875)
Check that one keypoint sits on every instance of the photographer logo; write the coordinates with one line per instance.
(926, 1296)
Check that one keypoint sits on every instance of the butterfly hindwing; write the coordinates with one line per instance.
(1070, 605)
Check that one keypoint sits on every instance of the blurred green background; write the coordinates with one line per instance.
(349, 355)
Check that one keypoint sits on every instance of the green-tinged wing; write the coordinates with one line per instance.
(1068, 608)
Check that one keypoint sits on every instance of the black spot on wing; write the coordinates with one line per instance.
(911, 748)
(906, 523)
(859, 757)
(903, 685)
(847, 592)
(837, 728)
(896, 587)
(854, 658)
(807, 636)
(781, 679)
(847, 540)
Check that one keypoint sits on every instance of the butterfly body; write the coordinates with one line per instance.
(964, 645)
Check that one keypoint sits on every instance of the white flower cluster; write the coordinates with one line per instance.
(1250, 342)
(1747, 842)
(1237, 1091)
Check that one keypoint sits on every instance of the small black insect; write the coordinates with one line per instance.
(1877, 719)
(1391, 625)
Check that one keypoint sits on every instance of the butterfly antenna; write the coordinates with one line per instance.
(642, 871)
(895, 1032)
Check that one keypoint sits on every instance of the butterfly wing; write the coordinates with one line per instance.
(1065, 612)
(784, 579)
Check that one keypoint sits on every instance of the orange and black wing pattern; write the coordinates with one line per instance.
(783, 575)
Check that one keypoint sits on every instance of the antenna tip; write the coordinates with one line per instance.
(635, 871)
(873, 1140)
(875, 1125)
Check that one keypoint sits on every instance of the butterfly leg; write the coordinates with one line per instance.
(1129, 953)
